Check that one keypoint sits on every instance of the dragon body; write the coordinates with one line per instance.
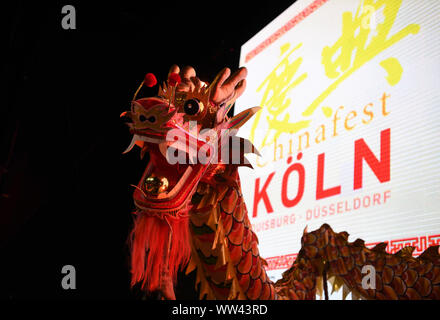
(192, 214)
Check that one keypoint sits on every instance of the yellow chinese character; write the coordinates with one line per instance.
(278, 84)
(358, 45)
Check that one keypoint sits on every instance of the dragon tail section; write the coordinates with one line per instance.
(370, 273)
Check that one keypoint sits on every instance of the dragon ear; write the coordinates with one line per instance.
(241, 118)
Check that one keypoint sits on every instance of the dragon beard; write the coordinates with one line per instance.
(158, 244)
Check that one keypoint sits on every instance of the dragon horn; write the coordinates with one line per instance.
(241, 118)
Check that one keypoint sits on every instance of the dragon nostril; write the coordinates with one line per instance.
(143, 118)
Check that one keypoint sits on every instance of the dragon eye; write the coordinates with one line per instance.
(192, 107)
(152, 119)
(142, 118)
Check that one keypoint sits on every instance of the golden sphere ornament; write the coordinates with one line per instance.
(156, 185)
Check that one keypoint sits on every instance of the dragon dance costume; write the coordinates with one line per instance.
(192, 215)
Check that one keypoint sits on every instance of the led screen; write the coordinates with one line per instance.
(349, 130)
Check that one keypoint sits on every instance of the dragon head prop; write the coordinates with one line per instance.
(193, 127)
(189, 138)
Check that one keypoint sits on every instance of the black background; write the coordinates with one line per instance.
(64, 184)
